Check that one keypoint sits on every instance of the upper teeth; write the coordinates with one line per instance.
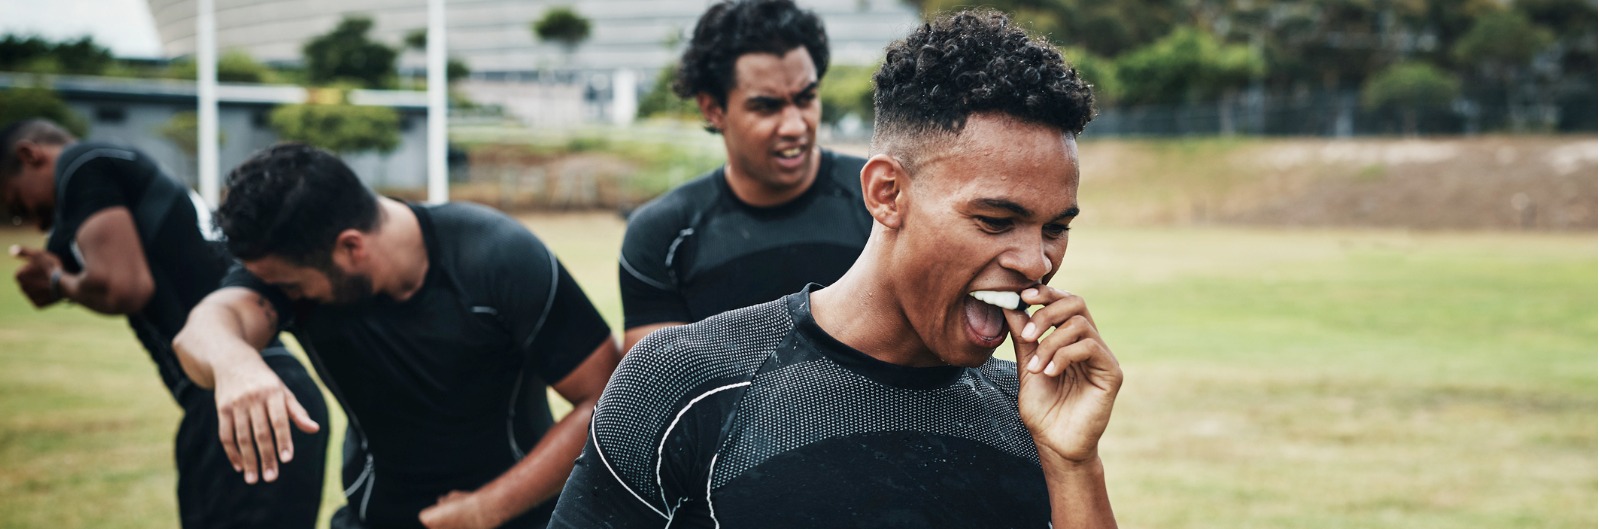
(786, 153)
(1004, 300)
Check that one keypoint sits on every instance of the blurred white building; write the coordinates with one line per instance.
(629, 41)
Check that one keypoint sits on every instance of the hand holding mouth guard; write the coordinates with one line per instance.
(1002, 299)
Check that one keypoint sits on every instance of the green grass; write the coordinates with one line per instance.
(1275, 379)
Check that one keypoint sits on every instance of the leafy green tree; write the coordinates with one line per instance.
(1499, 49)
(34, 102)
(847, 90)
(183, 130)
(339, 126)
(562, 26)
(347, 54)
(661, 101)
(1188, 65)
(235, 66)
(1099, 72)
(34, 54)
(1105, 28)
(1410, 89)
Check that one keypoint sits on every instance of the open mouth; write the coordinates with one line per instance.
(986, 324)
(791, 157)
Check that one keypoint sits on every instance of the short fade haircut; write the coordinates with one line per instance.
(291, 201)
(965, 63)
(732, 28)
(41, 131)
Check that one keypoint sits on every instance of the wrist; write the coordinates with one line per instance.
(55, 285)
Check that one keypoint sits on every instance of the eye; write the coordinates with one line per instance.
(1055, 231)
(993, 225)
(805, 99)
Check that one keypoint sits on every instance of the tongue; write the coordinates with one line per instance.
(984, 318)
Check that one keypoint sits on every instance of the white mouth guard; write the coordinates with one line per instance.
(1004, 300)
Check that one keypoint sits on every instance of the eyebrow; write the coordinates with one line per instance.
(775, 99)
(1020, 210)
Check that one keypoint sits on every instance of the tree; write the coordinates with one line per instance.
(1188, 65)
(339, 126)
(661, 101)
(34, 54)
(34, 102)
(562, 26)
(1099, 72)
(1410, 88)
(847, 90)
(235, 66)
(347, 54)
(1499, 48)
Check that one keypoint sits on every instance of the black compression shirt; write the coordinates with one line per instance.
(432, 382)
(698, 250)
(757, 418)
(93, 177)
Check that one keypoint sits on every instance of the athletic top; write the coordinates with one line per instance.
(699, 251)
(435, 384)
(759, 418)
(92, 177)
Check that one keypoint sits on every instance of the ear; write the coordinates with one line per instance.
(350, 249)
(885, 186)
(31, 154)
(715, 114)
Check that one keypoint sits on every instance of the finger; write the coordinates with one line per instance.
(262, 429)
(1016, 321)
(302, 418)
(1051, 362)
(1051, 315)
(226, 436)
(1094, 363)
(278, 415)
(246, 446)
(18, 251)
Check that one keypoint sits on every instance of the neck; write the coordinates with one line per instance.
(762, 195)
(401, 249)
(863, 311)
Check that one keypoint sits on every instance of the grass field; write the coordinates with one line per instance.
(1275, 379)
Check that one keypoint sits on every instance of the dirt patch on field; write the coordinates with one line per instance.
(1505, 183)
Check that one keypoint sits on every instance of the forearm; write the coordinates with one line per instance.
(96, 293)
(1078, 498)
(212, 341)
(542, 473)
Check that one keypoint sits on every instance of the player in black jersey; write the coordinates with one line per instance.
(438, 329)
(782, 213)
(876, 402)
(126, 239)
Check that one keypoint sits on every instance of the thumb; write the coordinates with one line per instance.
(19, 252)
(301, 418)
(1015, 321)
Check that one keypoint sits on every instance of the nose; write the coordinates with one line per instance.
(1029, 258)
(793, 122)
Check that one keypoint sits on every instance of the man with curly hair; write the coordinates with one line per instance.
(782, 213)
(876, 401)
(127, 239)
(438, 328)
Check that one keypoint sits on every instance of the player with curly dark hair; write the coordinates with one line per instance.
(877, 401)
(781, 213)
(438, 328)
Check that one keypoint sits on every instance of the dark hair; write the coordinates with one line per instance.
(732, 28)
(291, 201)
(971, 62)
(42, 131)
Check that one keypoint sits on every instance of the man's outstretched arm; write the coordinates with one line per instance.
(219, 349)
(540, 474)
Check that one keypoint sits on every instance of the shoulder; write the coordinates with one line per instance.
(673, 210)
(674, 366)
(652, 227)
